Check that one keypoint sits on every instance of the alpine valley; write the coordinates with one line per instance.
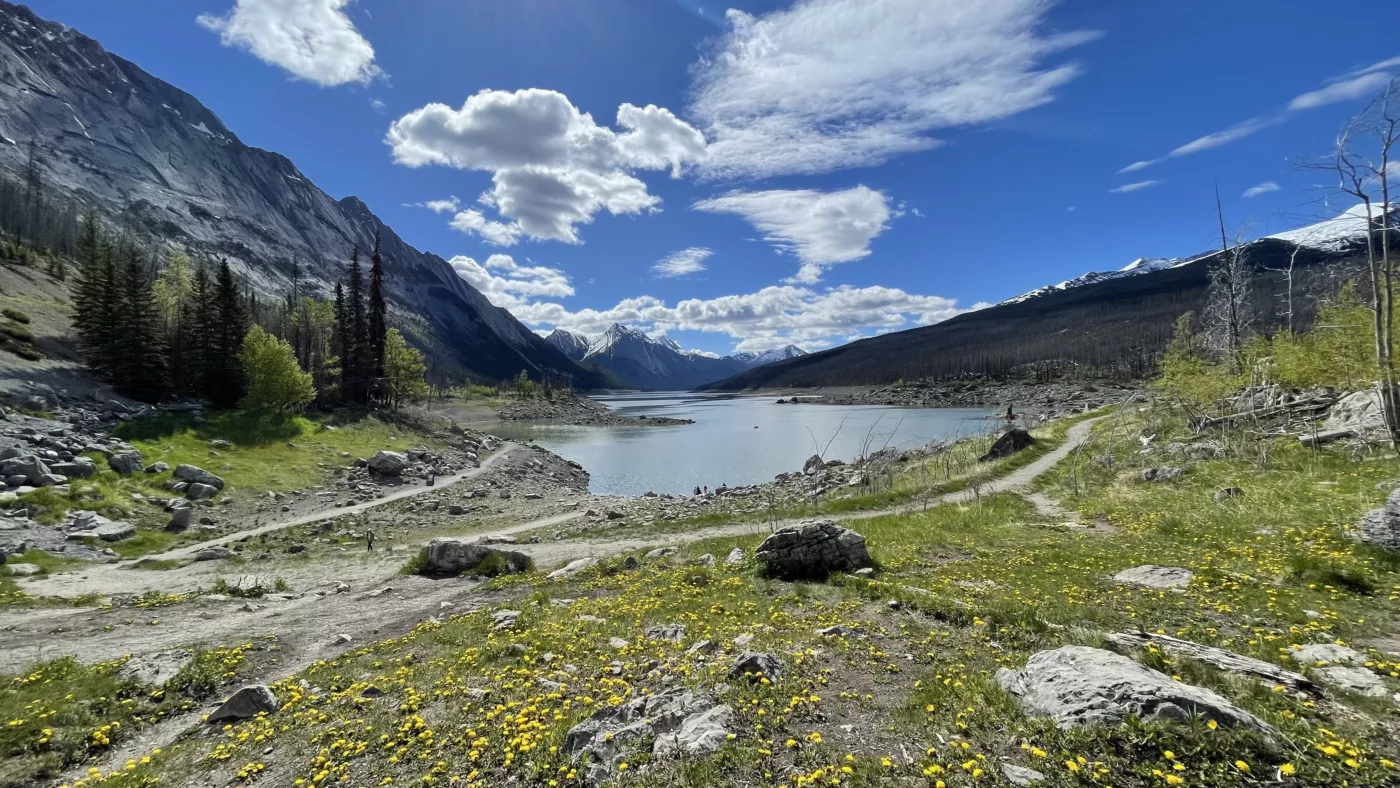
(658, 364)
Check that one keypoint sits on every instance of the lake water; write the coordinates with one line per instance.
(734, 440)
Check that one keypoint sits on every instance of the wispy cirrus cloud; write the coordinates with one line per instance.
(1346, 87)
(1263, 188)
(682, 263)
(1133, 187)
(825, 85)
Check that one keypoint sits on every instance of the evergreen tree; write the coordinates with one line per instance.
(97, 301)
(341, 337)
(172, 295)
(224, 373)
(140, 355)
(197, 325)
(378, 312)
(356, 361)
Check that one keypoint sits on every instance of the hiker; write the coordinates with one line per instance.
(369, 540)
(697, 491)
(1010, 415)
(707, 489)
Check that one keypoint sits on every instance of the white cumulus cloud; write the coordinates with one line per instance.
(772, 317)
(508, 284)
(831, 84)
(682, 263)
(821, 228)
(552, 166)
(311, 39)
(1263, 188)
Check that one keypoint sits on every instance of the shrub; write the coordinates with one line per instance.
(15, 315)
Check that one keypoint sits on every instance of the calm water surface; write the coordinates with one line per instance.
(734, 440)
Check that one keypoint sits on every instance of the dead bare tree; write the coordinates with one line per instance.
(1228, 315)
(1360, 176)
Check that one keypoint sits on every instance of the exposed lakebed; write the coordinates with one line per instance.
(734, 440)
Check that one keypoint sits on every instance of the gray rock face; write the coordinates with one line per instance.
(677, 721)
(22, 570)
(158, 467)
(1020, 775)
(195, 475)
(28, 468)
(735, 557)
(154, 670)
(126, 463)
(201, 492)
(813, 464)
(91, 525)
(1077, 685)
(813, 549)
(450, 557)
(699, 734)
(179, 519)
(1149, 576)
(133, 144)
(245, 704)
(669, 633)
(1381, 527)
(77, 468)
(1162, 474)
(388, 463)
(1358, 680)
(213, 554)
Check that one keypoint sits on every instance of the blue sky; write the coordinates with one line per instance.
(746, 174)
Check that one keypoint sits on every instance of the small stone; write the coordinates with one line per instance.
(1020, 775)
(245, 704)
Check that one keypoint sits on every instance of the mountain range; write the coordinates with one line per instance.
(152, 159)
(1101, 324)
(657, 363)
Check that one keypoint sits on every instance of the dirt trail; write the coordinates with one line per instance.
(188, 551)
(380, 604)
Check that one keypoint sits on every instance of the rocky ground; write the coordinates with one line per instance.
(569, 408)
(1028, 399)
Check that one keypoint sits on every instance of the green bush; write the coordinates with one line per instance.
(15, 315)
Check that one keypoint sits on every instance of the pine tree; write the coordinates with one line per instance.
(356, 361)
(378, 312)
(341, 337)
(97, 302)
(140, 356)
(172, 295)
(224, 378)
(198, 328)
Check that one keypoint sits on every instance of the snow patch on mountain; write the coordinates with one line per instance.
(1339, 232)
(1142, 265)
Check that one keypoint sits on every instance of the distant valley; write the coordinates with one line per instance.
(658, 364)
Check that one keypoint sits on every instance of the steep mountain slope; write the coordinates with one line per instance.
(775, 355)
(643, 362)
(154, 160)
(1112, 326)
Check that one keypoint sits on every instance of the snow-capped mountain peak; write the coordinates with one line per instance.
(1142, 265)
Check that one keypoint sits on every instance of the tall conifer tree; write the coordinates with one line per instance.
(378, 312)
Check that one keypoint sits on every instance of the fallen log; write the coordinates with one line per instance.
(1227, 661)
(1324, 437)
(1310, 407)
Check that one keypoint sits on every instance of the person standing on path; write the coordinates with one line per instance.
(369, 539)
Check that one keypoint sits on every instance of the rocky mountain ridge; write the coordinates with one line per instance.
(657, 363)
(153, 160)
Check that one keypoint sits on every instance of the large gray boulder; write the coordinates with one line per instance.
(1077, 685)
(1359, 412)
(1014, 440)
(245, 704)
(198, 491)
(1358, 680)
(1160, 577)
(701, 733)
(195, 475)
(126, 462)
(30, 467)
(77, 468)
(1381, 527)
(1162, 474)
(388, 463)
(450, 557)
(572, 568)
(812, 550)
(676, 721)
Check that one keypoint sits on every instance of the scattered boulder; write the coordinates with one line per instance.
(813, 464)
(1358, 680)
(1381, 527)
(735, 557)
(388, 463)
(1359, 413)
(179, 519)
(27, 468)
(157, 467)
(659, 553)
(572, 568)
(1009, 443)
(699, 734)
(1021, 776)
(252, 585)
(504, 619)
(756, 665)
(1318, 654)
(198, 491)
(1162, 474)
(450, 557)
(213, 554)
(677, 721)
(670, 633)
(23, 570)
(1162, 577)
(154, 670)
(195, 475)
(76, 468)
(1076, 686)
(812, 549)
(126, 462)
(245, 704)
